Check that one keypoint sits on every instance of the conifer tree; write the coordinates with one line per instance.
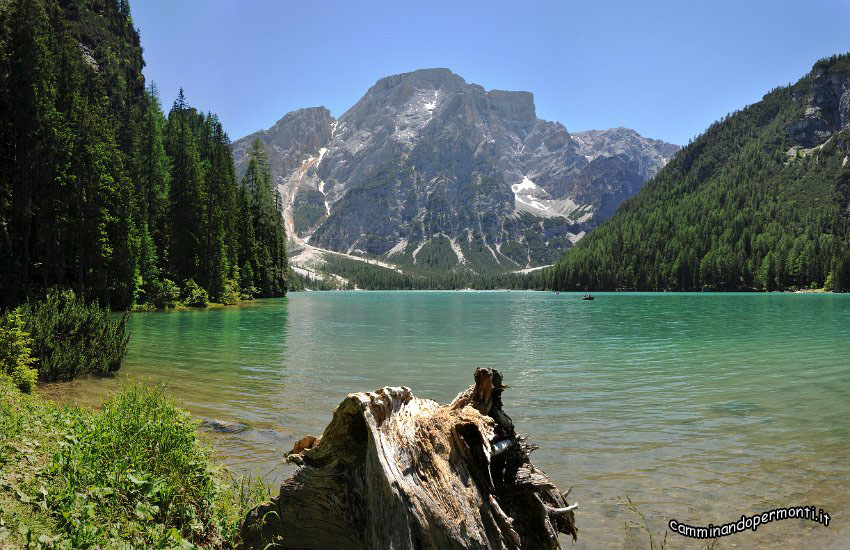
(220, 203)
(152, 169)
(186, 192)
(271, 261)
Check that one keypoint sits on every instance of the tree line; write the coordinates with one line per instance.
(101, 192)
(366, 276)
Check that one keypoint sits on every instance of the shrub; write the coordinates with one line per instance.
(165, 293)
(194, 295)
(249, 292)
(70, 337)
(230, 295)
(16, 358)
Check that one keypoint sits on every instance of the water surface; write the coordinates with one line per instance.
(699, 407)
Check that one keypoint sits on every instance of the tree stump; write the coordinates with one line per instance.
(395, 471)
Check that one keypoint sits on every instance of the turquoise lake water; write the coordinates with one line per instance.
(699, 407)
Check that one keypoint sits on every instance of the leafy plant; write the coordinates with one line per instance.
(16, 358)
(134, 474)
(137, 463)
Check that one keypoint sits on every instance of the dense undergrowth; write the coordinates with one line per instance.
(60, 338)
(71, 337)
(132, 475)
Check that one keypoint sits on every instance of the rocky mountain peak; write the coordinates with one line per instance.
(828, 103)
(422, 78)
(290, 140)
(427, 165)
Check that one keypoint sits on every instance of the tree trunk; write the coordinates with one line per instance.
(395, 471)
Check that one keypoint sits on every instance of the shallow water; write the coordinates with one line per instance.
(699, 407)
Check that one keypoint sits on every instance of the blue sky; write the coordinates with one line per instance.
(664, 68)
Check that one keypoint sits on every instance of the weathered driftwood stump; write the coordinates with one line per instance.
(395, 471)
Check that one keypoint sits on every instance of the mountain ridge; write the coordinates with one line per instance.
(427, 169)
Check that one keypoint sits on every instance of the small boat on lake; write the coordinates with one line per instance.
(587, 297)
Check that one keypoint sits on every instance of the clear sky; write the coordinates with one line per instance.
(664, 68)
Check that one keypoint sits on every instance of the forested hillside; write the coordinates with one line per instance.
(100, 191)
(758, 201)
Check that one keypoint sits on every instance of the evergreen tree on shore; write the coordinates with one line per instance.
(186, 192)
(267, 235)
(101, 193)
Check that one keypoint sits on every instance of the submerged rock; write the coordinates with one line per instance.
(223, 426)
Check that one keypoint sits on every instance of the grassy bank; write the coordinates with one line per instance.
(132, 475)
(145, 308)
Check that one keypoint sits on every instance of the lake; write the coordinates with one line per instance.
(699, 407)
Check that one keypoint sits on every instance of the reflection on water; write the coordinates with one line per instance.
(698, 407)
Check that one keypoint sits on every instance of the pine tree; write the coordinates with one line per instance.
(220, 203)
(106, 263)
(152, 172)
(246, 242)
(271, 264)
(186, 193)
(98, 190)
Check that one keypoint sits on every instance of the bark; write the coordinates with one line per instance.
(395, 471)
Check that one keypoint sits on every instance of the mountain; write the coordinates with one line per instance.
(428, 172)
(759, 201)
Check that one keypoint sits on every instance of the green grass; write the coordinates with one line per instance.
(132, 475)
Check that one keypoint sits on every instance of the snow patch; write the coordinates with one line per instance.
(844, 162)
(431, 105)
(322, 152)
(526, 185)
(575, 238)
(533, 204)
(531, 269)
(493, 253)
